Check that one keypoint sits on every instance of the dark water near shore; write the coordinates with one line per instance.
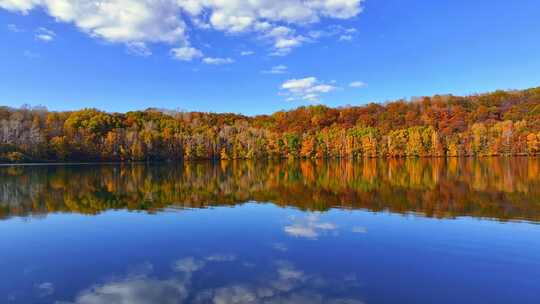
(374, 231)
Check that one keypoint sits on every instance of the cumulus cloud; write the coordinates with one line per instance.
(307, 89)
(169, 21)
(45, 34)
(125, 21)
(357, 84)
(217, 60)
(284, 39)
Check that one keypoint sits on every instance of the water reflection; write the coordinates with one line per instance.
(309, 227)
(285, 283)
(262, 253)
(493, 188)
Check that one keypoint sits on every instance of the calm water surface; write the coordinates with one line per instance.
(415, 231)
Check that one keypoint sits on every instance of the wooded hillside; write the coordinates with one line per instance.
(498, 123)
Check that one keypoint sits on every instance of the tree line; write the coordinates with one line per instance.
(497, 123)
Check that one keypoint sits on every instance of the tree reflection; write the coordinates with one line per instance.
(500, 188)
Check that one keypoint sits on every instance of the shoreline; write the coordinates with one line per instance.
(64, 163)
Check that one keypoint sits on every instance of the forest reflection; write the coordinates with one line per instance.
(497, 188)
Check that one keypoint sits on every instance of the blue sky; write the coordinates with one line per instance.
(260, 56)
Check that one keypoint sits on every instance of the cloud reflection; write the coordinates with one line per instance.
(359, 229)
(284, 283)
(188, 265)
(309, 227)
(138, 290)
(44, 289)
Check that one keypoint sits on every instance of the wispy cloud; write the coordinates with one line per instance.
(280, 247)
(221, 258)
(31, 55)
(345, 38)
(44, 289)
(278, 69)
(357, 84)
(217, 60)
(45, 35)
(138, 49)
(14, 28)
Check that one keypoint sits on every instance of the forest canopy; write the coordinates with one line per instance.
(497, 123)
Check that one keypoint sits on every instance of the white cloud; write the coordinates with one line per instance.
(247, 53)
(284, 39)
(186, 53)
(278, 69)
(308, 89)
(357, 84)
(19, 5)
(217, 61)
(124, 21)
(45, 34)
(298, 85)
(168, 21)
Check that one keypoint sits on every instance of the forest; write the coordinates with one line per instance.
(497, 123)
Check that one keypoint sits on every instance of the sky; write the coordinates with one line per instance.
(260, 56)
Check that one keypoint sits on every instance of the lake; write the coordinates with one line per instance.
(340, 232)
